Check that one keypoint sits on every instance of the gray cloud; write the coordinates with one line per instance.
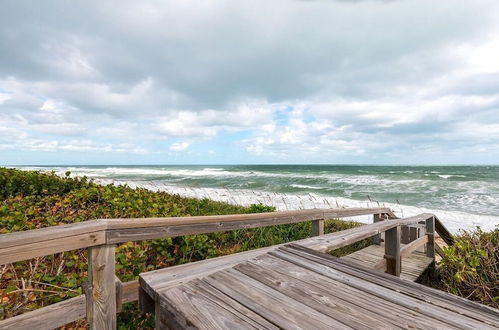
(185, 69)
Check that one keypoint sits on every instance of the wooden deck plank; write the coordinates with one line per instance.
(270, 304)
(369, 304)
(154, 282)
(423, 292)
(313, 296)
(456, 305)
(363, 282)
(233, 305)
(188, 307)
(413, 265)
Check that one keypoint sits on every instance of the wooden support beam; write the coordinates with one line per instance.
(377, 237)
(430, 232)
(146, 303)
(414, 233)
(64, 312)
(49, 317)
(317, 227)
(413, 246)
(405, 234)
(101, 275)
(119, 293)
(443, 232)
(392, 251)
(439, 250)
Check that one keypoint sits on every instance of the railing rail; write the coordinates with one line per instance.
(30, 244)
(102, 300)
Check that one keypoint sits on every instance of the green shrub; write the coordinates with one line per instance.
(470, 267)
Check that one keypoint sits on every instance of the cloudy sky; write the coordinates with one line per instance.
(163, 82)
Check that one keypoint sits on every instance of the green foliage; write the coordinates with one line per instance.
(30, 183)
(470, 267)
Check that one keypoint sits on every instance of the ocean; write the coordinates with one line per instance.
(463, 197)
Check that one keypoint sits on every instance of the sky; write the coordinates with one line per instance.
(249, 82)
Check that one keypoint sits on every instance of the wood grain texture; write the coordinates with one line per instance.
(119, 288)
(457, 305)
(64, 312)
(317, 228)
(199, 305)
(50, 233)
(50, 317)
(372, 257)
(306, 215)
(102, 278)
(377, 237)
(294, 287)
(48, 247)
(46, 241)
(363, 279)
(392, 251)
(156, 281)
(324, 301)
(413, 246)
(233, 305)
(107, 293)
(358, 301)
(127, 230)
(430, 233)
(274, 306)
(130, 291)
(343, 238)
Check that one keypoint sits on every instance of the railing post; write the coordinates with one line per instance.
(430, 232)
(377, 237)
(392, 251)
(101, 276)
(317, 227)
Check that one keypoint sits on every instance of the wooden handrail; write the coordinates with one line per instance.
(100, 236)
(326, 243)
(30, 244)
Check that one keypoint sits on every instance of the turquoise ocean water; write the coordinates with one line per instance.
(463, 196)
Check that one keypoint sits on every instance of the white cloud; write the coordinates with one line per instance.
(179, 146)
(298, 80)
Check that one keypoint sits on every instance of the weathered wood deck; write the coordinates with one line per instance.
(293, 287)
(278, 286)
(413, 266)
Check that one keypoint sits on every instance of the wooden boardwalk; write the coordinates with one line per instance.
(413, 266)
(293, 287)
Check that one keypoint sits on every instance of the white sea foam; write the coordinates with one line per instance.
(446, 176)
(114, 172)
(304, 186)
(453, 220)
(477, 191)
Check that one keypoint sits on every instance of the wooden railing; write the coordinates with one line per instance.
(104, 293)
